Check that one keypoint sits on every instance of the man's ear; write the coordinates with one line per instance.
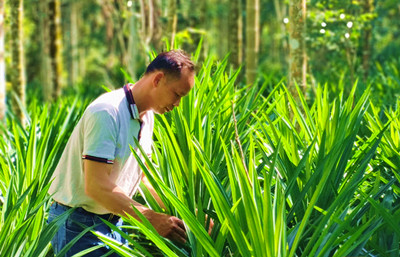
(157, 78)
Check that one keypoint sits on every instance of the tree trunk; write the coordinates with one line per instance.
(74, 37)
(366, 53)
(233, 43)
(70, 37)
(351, 57)
(298, 57)
(203, 14)
(150, 31)
(55, 47)
(240, 38)
(252, 39)
(146, 28)
(2, 66)
(17, 69)
(43, 32)
(150, 21)
(221, 27)
(156, 35)
(107, 10)
(280, 9)
(172, 22)
(132, 45)
(203, 23)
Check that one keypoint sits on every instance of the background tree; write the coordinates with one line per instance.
(150, 30)
(116, 34)
(133, 44)
(368, 6)
(339, 37)
(172, 21)
(107, 10)
(157, 26)
(43, 33)
(280, 43)
(55, 47)
(235, 33)
(125, 26)
(17, 69)
(252, 39)
(72, 18)
(2, 65)
(297, 46)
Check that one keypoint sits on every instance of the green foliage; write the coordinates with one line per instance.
(335, 32)
(348, 40)
(276, 176)
(386, 83)
(278, 179)
(386, 188)
(28, 158)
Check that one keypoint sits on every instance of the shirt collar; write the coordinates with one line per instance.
(133, 110)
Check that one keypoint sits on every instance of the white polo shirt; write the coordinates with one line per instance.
(105, 132)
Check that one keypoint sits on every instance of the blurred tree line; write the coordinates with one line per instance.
(55, 46)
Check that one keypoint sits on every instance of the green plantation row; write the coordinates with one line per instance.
(278, 177)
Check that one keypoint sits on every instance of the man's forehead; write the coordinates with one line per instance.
(186, 83)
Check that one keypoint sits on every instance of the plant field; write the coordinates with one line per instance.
(278, 176)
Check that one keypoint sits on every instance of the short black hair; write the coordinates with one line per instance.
(171, 63)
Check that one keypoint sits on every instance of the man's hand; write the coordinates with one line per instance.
(99, 187)
(167, 226)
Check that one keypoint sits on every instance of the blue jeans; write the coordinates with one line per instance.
(70, 229)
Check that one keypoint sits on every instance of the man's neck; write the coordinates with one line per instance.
(138, 94)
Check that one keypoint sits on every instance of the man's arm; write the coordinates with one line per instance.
(160, 202)
(100, 188)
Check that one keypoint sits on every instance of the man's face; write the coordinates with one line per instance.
(170, 91)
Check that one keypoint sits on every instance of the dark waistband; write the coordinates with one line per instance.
(109, 217)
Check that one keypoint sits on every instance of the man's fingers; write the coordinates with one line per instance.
(170, 227)
(177, 234)
(181, 224)
(179, 227)
(178, 238)
(180, 232)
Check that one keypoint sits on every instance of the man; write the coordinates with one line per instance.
(98, 174)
